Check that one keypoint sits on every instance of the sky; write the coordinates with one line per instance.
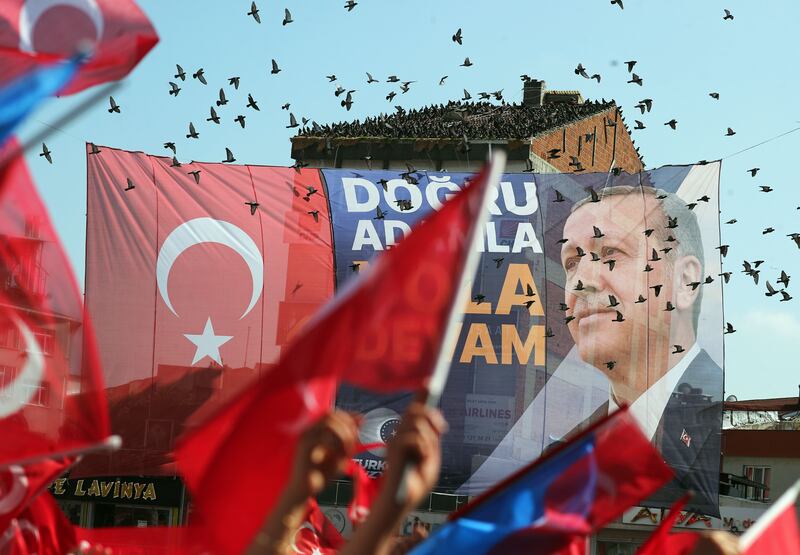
(684, 50)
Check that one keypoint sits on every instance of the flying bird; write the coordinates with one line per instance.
(234, 81)
(753, 171)
(287, 17)
(458, 37)
(618, 3)
(240, 120)
(672, 123)
(714, 95)
(199, 75)
(630, 64)
(619, 317)
(371, 79)
(678, 349)
(771, 291)
(94, 149)
(635, 79)
(46, 153)
(314, 214)
(765, 189)
(251, 103)
(729, 328)
(275, 68)
(670, 307)
(466, 63)
(292, 121)
(228, 156)
(181, 74)
(350, 4)
(171, 146)
(175, 163)
(222, 100)
(441, 81)
(784, 279)
(786, 296)
(174, 88)
(114, 105)
(639, 124)
(214, 117)
(196, 175)
(597, 234)
(254, 12)
(253, 207)
(728, 14)
(193, 134)
(130, 185)
(730, 132)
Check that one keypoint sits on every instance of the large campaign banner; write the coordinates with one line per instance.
(594, 290)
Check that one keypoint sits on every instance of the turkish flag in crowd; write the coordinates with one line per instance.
(19, 484)
(41, 529)
(37, 31)
(51, 387)
(317, 534)
(254, 437)
(777, 531)
(193, 291)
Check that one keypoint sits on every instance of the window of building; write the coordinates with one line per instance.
(762, 475)
(46, 339)
(37, 394)
(8, 337)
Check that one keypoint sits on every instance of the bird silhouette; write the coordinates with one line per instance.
(728, 15)
(234, 81)
(254, 12)
(253, 207)
(618, 3)
(635, 79)
(196, 175)
(457, 37)
(619, 317)
(678, 349)
(314, 214)
(729, 328)
(287, 17)
(200, 76)
(130, 185)
(251, 103)
(240, 120)
(214, 117)
(467, 63)
(114, 106)
(673, 123)
(46, 153)
(275, 68)
(222, 100)
(193, 134)
(350, 4)
(93, 149)
(181, 74)
(174, 88)
(228, 156)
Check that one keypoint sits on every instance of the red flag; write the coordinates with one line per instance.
(33, 32)
(51, 389)
(41, 529)
(160, 540)
(193, 292)
(316, 534)
(19, 484)
(254, 437)
(777, 530)
(661, 542)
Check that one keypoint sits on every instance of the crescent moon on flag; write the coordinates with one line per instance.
(307, 526)
(31, 373)
(19, 486)
(32, 10)
(208, 230)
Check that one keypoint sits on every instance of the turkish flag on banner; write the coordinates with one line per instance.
(193, 291)
(19, 484)
(37, 31)
(254, 437)
(41, 529)
(51, 388)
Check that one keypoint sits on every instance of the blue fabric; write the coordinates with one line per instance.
(21, 96)
(519, 505)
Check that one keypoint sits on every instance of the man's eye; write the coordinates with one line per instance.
(609, 251)
(569, 264)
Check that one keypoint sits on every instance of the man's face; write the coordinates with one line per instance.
(622, 220)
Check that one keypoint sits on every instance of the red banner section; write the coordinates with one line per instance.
(197, 275)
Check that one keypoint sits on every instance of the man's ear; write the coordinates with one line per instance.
(687, 270)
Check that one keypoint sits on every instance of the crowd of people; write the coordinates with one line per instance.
(476, 120)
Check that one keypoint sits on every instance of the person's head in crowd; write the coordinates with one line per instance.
(648, 246)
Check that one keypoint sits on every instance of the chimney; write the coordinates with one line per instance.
(532, 92)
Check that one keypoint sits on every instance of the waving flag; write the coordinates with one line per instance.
(555, 503)
(21, 96)
(777, 531)
(20, 484)
(42, 529)
(34, 32)
(51, 388)
(254, 437)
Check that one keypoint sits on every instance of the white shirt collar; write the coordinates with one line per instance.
(648, 408)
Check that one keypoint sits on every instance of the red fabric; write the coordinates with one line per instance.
(143, 541)
(125, 37)
(20, 484)
(661, 541)
(41, 529)
(254, 437)
(51, 386)
(148, 359)
(365, 491)
(781, 535)
(318, 533)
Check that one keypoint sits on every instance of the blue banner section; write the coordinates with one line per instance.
(542, 352)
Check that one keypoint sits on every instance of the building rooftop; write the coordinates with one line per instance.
(454, 120)
(780, 404)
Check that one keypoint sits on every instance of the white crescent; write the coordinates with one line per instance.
(209, 230)
(307, 526)
(31, 373)
(33, 9)
(19, 487)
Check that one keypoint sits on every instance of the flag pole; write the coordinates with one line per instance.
(111, 443)
(441, 368)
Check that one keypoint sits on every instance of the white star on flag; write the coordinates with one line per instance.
(208, 343)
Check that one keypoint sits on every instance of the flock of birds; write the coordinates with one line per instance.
(463, 118)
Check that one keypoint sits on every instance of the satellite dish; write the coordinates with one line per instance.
(730, 398)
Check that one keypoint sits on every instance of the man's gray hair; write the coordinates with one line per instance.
(688, 241)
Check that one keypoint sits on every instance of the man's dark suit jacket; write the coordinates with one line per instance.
(688, 437)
